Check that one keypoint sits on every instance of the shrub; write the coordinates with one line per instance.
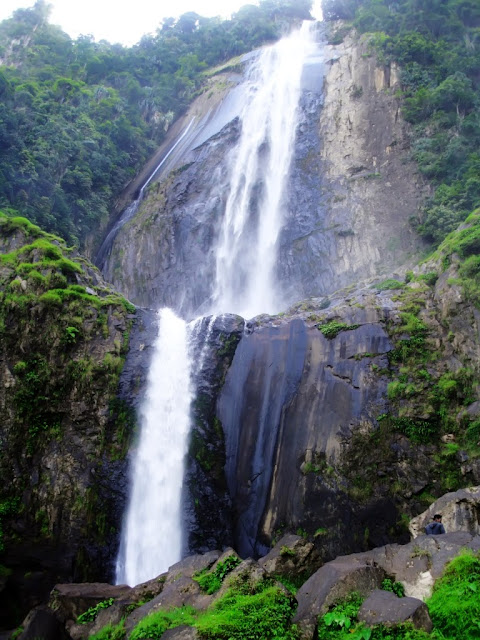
(455, 604)
(333, 328)
(90, 614)
(395, 587)
(211, 581)
(388, 284)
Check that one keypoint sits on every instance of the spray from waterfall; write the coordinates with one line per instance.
(259, 167)
(151, 539)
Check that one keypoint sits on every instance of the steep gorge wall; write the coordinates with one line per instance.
(340, 423)
(67, 414)
(350, 194)
(369, 186)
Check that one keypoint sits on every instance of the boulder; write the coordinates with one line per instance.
(71, 600)
(419, 563)
(192, 565)
(384, 607)
(333, 581)
(147, 590)
(460, 510)
(179, 589)
(248, 572)
(292, 556)
(42, 623)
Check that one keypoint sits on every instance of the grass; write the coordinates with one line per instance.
(245, 612)
(455, 603)
(331, 329)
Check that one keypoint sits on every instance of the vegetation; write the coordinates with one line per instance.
(78, 119)
(455, 606)
(260, 611)
(90, 614)
(211, 581)
(62, 345)
(436, 44)
(331, 329)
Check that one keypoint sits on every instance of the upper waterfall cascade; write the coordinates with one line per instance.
(258, 170)
(258, 167)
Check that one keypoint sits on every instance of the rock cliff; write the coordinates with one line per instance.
(351, 192)
(66, 425)
(344, 415)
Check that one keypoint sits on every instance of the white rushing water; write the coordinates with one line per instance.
(246, 255)
(151, 539)
(259, 167)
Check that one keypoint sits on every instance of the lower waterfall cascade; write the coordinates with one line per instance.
(151, 538)
(151, 541)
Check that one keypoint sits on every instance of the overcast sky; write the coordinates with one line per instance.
(119, 21)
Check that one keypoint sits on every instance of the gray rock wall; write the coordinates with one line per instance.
(351, 192)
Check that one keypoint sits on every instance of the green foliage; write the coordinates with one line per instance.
(262, 613)
(211, 581)
(287, 552)
(341, 623)
(90, 614)
(395, 587)
(110, 632)
(331, 329)
(455, 603)
(418, 430)
(388, 284)
(245, 612)
(154, 625)
(8, 507)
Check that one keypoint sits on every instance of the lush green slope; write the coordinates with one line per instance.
(437, 45)
(78, 119)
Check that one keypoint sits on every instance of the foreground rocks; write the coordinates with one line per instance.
(384, 607)
(416, 565)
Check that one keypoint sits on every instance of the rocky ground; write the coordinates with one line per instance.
(415, 565)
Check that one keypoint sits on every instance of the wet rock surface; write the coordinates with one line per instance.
(351, 191)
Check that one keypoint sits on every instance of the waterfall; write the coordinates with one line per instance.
(245, 284)
(151, 539)
(259, 168)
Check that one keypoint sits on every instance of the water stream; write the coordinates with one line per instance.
(151, 539)
(245, 284)
(259, 167)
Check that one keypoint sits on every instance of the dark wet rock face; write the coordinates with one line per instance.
(207, 503)
(289, 398)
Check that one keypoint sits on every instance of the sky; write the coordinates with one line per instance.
(120, 21)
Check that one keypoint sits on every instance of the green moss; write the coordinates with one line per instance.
(211, 581)
(386, 285)
(331, 329)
